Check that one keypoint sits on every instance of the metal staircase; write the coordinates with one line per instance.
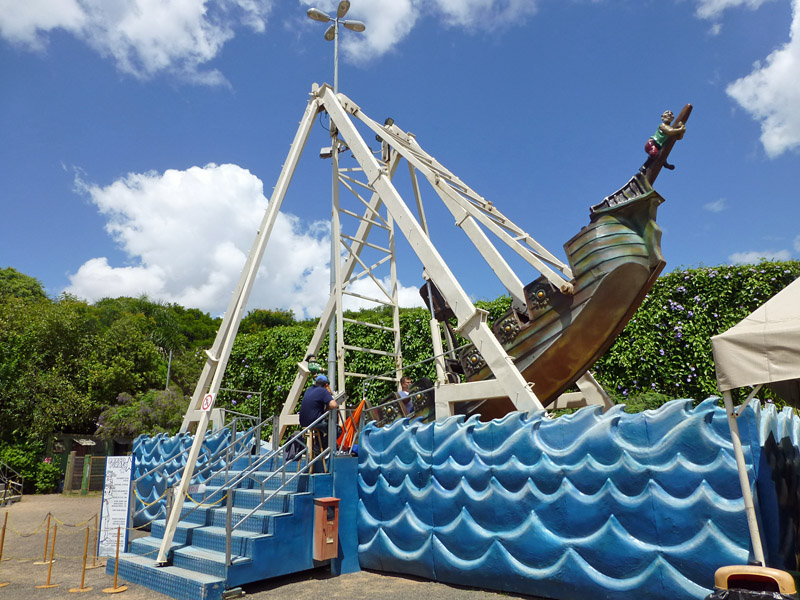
(10, 485)
(252, 521)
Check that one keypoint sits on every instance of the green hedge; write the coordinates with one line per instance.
(666, 347)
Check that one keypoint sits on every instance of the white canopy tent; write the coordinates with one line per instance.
(762, 349)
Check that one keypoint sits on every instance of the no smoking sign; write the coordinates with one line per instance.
(208, 402)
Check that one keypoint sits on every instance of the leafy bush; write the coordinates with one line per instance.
(48, 477)
(24, 458)
(155, 411)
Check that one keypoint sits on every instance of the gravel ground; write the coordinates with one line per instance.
(24, 547)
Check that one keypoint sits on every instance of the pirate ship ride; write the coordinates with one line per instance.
(557, 327)
(563, 331)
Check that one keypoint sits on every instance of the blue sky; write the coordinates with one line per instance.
(142, 138)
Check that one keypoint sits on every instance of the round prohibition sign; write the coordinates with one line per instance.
(208, 400)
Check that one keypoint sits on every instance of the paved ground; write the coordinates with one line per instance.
(24, 547)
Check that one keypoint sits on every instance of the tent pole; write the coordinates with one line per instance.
(744, 481)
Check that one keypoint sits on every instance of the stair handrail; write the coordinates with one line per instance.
(278, 452)
(10, 482)
(242, 439)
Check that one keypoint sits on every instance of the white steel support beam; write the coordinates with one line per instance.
(493, 258)
(398, 360)
(471, 321)
(220, 352)
(442, 179)
(288, 416)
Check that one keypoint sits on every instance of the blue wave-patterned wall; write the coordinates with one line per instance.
(151, 451)
(779, 486)
(589, 505)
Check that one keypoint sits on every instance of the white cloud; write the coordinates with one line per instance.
(485, 13)
(771, 93)
(797, 243)
(144, 37)
(755, 256)
(713, 9)
(716, 206)
(187, 235)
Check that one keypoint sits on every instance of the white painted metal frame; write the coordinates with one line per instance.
(470, 210)
(741, 468)
(211, 377)
(471, 321)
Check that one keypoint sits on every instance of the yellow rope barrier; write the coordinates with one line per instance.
(199, 504)
(143, 501)
(81, 524)
(34, 532)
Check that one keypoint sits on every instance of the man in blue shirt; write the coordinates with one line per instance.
(317, 400)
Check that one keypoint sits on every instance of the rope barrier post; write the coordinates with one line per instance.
(46, 540)
(83, 571)
(50, 568)
(94, 564)
(116, 589)
(2, 542)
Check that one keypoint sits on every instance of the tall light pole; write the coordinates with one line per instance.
(332, 34)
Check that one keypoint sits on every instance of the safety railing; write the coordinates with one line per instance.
(242, 445)
(303, 459)
(11, 483)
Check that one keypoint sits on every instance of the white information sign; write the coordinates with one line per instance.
(114, 512)
(208, 402)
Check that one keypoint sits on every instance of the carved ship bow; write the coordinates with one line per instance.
(615, 261)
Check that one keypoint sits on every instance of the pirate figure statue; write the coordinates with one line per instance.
(664, 132)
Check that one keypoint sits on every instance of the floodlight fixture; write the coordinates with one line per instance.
(354, 26)
(318, 15)
(342, 9)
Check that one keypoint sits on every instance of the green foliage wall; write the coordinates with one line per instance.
(666, 347)
(68, 366)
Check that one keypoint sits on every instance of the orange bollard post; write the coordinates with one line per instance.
(115, 589)
(83, 571)
(94, 564)
(46, 540)
(2, 542)
(50, 568)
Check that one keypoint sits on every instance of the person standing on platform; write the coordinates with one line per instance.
(317, 400)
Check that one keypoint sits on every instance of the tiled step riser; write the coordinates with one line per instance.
(183, 532)
(201, 565)
(212, 540)
(247, 499)
(257, 523)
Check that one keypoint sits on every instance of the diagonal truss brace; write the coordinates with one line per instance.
(471, 321)
(214, 369)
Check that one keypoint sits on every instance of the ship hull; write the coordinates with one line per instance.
(615, 261)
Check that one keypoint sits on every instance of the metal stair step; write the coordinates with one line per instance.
(183, 531)
(179, 583)
(206, 561)
(213, 538)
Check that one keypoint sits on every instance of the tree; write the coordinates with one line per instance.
(259, 318)
(14, 283)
